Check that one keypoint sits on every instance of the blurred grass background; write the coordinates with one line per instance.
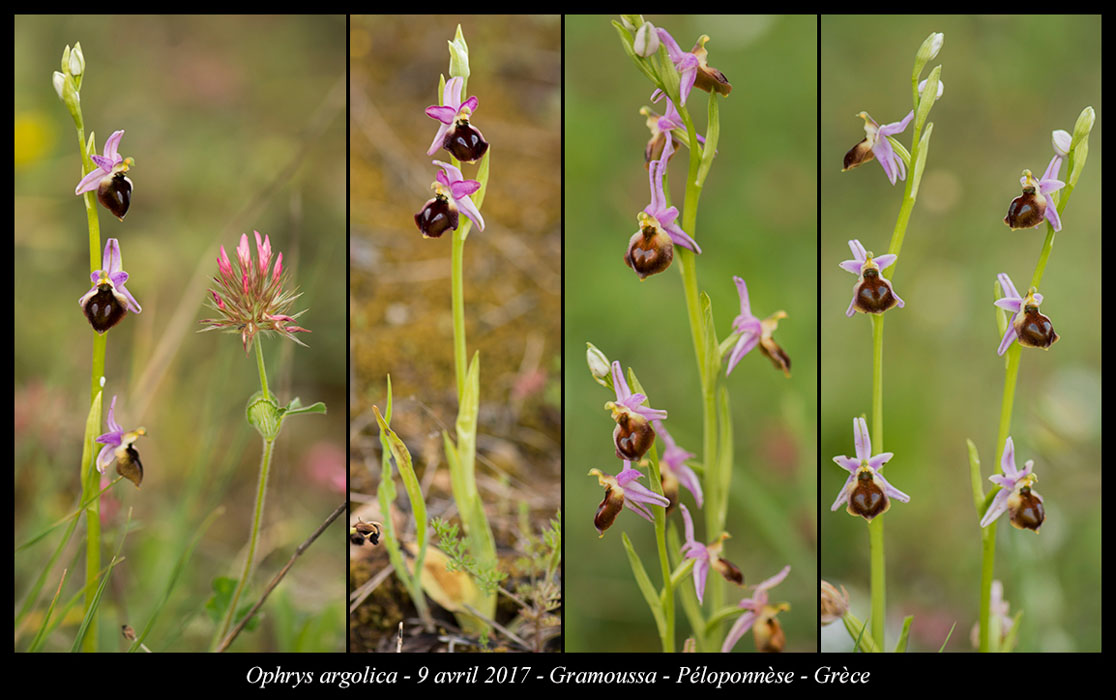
(757, 219)
(1009, 81)
(400, 313)
(235, 124)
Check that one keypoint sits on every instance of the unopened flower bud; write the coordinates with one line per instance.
(632, 22)
(599, 366)
(930, 48)
(59, 82)
(1062, 141)
(834, 605)
(1084, 125)
(646, 41)
(77, 61)
(459, 56)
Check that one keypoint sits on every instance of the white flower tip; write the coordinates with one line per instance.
(77, 60)
(646, 42)
(1062, 141)
(59, 81)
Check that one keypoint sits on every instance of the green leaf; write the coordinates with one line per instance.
(218, 603)
(410, 481)
(1009, 640)
(975, 477)
(712, 347)
(904, 634)
(40, 636)
(645, 586)
(928, 98)
(294, 409)
(91, 609)
(950, 634)
(901, 150)
(861, 641)
(920, 160)
(712, 135)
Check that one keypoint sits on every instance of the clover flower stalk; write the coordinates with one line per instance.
(250, 300)
(874, 294)
(1029, 327)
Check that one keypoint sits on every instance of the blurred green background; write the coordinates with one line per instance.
(757, 219)
(235, 124)
(400, 302)
(1009, 81)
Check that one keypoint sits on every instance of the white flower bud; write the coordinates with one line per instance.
(646, 42)
(77, 60)
(599, 366)
(1062, 142)
(459, 56)
(59, 81)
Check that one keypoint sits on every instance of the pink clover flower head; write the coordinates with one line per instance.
(1016, 495)
(119, 448)
(623, 490)
(455, 134)
(706, 557)
(866, 492)
(675, 471)
(872, 293)
(114, 188)
(106, 303)
(760, 616)
(875, 145)
(1027, 325)
(633, 434)
(251, 299)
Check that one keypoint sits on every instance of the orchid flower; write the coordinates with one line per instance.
(866, 492)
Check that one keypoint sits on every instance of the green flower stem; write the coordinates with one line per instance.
(875, 527)
(97, 371)
(1011, 375)
(667, 594)
(458, 292)
(262, 369)
(714, 511)
(257, 515)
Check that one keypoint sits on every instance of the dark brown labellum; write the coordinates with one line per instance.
(465, 142)
(1035, 330)
(650, 251)
(1027, 512)
(103, 309)
(712, 80)
(873, 294)
(1026, 211)
(129, 466)
(607, 511)
(730, 571)
(633, 436)
(859, 154)
(356, 538)
(867, 499)
(776, 354)
(769, 635)
(115, 194)
(438, 215)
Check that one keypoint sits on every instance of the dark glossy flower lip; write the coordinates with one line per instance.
(438, 215)
(650, 250)
(1034, 330)
(465, 142)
